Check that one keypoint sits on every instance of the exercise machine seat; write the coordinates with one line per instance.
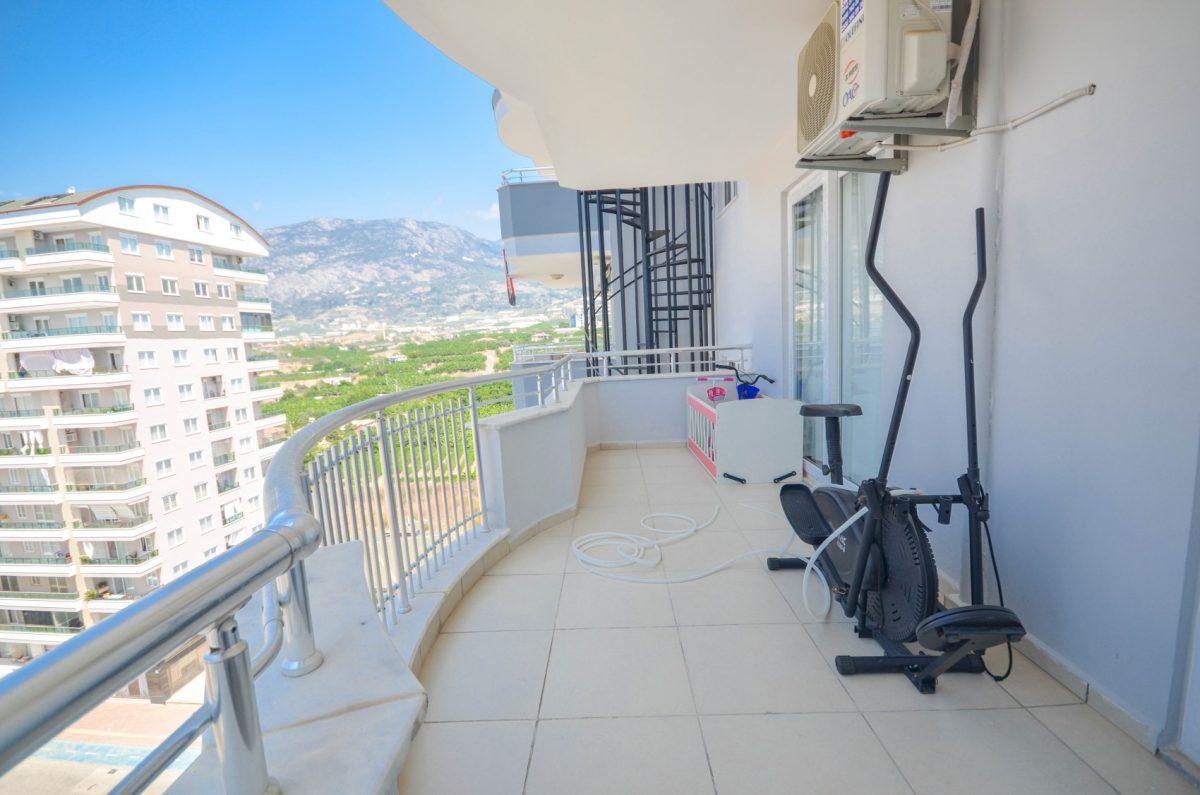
(830, 410)
(984, 625)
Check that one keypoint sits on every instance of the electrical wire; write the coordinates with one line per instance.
(1012, 124)
(999, 593)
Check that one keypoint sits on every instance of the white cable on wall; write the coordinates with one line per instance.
(1085, 91)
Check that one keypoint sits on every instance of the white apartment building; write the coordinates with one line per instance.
(132, 433)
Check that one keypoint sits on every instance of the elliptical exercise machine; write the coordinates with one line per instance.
(878, 561)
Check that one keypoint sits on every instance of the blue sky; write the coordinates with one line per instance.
(281, 111)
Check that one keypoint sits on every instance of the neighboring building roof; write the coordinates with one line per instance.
(81, 197)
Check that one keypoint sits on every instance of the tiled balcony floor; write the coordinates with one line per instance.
(549, 679)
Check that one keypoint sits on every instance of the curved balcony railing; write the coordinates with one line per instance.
(130, 484)
(72, 246)
(66, 331)
(407, 483)
(39, 628)
(104, 289)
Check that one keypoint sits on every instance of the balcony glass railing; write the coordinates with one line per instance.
(105, 289)
(88, 449)
(34, 524)
(9, 253)
(120, 560)
(230, 266)
(228, 520)
(213, 394)
(24, 451)
(44, 560)
(261, 357)
(223, 458)
(222, 488)
(219, 426)
(39, 628)
(56, 374)
(102, 524)
(132, 484)
(21, 412)
(58, 249)
(116, 408)
(23, 488)
(37, 595)
(257, 327)
(60, 332)
(255, 299)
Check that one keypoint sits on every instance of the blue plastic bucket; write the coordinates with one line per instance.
(747, 392)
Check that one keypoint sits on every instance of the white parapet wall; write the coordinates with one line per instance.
(533, 458)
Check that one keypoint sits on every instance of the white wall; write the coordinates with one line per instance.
(1086, 338)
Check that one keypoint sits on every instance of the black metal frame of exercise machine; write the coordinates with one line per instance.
(959, 635)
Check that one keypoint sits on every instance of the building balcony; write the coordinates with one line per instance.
(23, 419)
(245, 274)
(136, 565)
(225, 488)
(266, 392)
(539, 224)
(101, 454)
(37, 633)
(258, 333)
(32, 530)
(73, 256)
(10, 260)
(41, 600)
(89, 296)
(254, 303)
(223, 425)
(31, 493)
(30, 380)
(224, 459)
(71, 336)
(270, 421)
(36, 566)
(120, 529)
(258, 363)
(232, 518)
(96, 417)
(24, 456)
(128, 491)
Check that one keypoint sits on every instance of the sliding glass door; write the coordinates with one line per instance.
(837, 315)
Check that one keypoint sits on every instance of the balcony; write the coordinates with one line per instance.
(101, 454)
(270, 421)
(87, 296)
(132, 565)
(223, 425)
(30, 493)
(262, 362)
(37, 565)
(29, 380)
(70, 336)
(37, 633)
(40, 600)
(224, 459)
(258, 332)
(113, 529)
(254, 303)
(10, 260)
(265, 392)
(539, 224)
(108, 493)
(234, 517)
(72, 256)
(246, 274)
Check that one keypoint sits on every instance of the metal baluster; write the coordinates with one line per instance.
(421, 504)
(406, 542)
(335, 515)
(236, 728)
(397, 526)
(429, 478)
(370, 549)
(448, 486)
(462, 463)
(487, 526)
(377, 525)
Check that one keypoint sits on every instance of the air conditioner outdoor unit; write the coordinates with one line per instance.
(869, 60)
(70, 436)
(37, 235)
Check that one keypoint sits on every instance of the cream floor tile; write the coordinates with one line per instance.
(485, 675)
(564, 528)
(757, 514)
(982, 751)
(509, 602)
(612, 476)
(666, 456)
(705, 550)
(613, 496)
(1111, 752)
(592, 602)
(748, 492)
(616, 672)
(786, 754)
(1028, 683)
(735, 596)
(655, 756)
(700, 510)
(759, 669)
(613, 458)
(540, 555)
(692, 473)
(619, 518)
(669, 493)
(499, 752)
(887, 692)
(790, 583)
(774, 540)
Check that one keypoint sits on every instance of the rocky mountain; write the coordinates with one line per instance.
(399, 271)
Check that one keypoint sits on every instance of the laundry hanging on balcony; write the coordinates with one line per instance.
(76, 361)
